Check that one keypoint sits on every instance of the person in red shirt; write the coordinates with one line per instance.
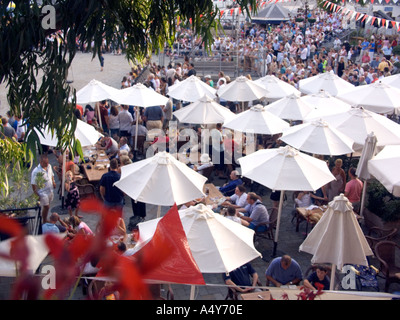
(353, 190)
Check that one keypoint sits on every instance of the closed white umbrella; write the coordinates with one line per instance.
(277, 89)
(368, 151)
(203, 111)
(191, 89)
(218, 245)
(337, 238)
(256, 120)
(324, 105)
(161, 180)
(377, 97)
(318, 137)
(357, 123)
(291, 107)
(285, 168)
(327, 81)
(385, 167)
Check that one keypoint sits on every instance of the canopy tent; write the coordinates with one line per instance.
(272, 14)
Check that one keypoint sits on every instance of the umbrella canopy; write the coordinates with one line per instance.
(385, 167)
(95, 91)
(37, 249)
(324, 105)
(256, 120)
(161, 180)
(204, 111)
(393, 80)
(291, 107)
(285, 168)
(327, 81)
(242, 89)
(85, 133)
(191, 90)
(139, 95)
(218, 245)
(377, 97)
(357, 123)
(277, 89)
(319, 138)
(337, 238)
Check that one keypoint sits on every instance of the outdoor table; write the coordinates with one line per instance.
(261, 295)
(97, 169)
(312, 216)
(213, 196)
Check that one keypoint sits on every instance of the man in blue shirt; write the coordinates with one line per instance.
(112, 196)
(244, 276)
(284, 271)
(364, 47)
(228, 189)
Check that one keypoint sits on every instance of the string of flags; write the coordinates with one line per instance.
(358, 16)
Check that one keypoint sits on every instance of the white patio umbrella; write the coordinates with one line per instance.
(285, 169)
(377, 97)
(357, 123)
(337, 238)
(204, 111)
(256, 120)
(141, 96)
(324, 105)
(277, 89)
(191, 90)
(385, 167)
(368, 151)
(38, 250)
(242, 89)
(291, 107)
(318, 137)
(161, 180)
(393, 80)
(327, 81)
(95, 91)
(217, 243)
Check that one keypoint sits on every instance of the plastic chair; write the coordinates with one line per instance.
(386, 252)
(376, 234)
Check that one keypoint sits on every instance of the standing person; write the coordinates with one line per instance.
(111, 195)
(125, 122)
(104, 116)
(153, 116)
(337, 186)
(21, 128)
(167, 111)
(192, 70)
(114, 121)
(73, 199)
(89, 114)
(45, 192)
(217, 147)
(101, 58)
(353, 189)
(8, 131)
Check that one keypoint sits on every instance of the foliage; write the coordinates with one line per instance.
(396, 50)
(306, 293)
(381, 202)
(139, 26)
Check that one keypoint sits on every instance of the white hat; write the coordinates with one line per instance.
(207, 76)
(205, 158)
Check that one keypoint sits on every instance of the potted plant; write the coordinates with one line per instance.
(382, 208)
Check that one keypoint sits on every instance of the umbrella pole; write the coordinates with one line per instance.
(278, 222)
(332, 284)
(63, 179)
(363, 198)
(158, 211)
(136, 130)
(192, 289)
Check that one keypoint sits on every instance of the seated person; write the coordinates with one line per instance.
(52, 227)
(303, 199)
(231, 214)
(123, 146)
(109, 145)
(254, 213)
(242, 277)
(229, 188)
(283, 271)
(318, 278)
(205, 162)
(320, 197)
(238, 200)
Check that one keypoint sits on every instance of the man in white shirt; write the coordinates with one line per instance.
(238, 199)
(21, 129)
(44, 192)
(125, 122)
